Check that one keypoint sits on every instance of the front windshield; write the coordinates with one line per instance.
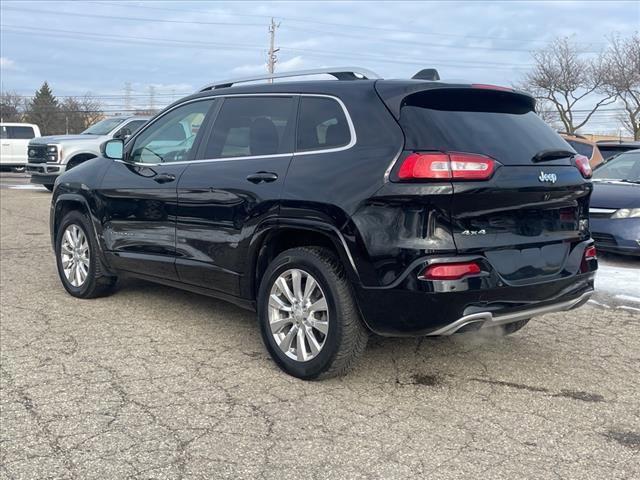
(103, 126)
(625, 167)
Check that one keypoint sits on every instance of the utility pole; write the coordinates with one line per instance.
(152, 98)
(272, 57)
(127, 96)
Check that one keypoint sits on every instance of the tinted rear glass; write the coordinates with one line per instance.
(21, 133)
(498, 124)
(321, 124)
(582, 148)
(252, 126)
(609, 151)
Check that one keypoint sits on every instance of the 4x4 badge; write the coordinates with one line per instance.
(547, 177)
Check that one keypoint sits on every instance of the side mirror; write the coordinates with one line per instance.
(113, 149)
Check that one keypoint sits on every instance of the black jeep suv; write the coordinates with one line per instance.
(338, 207)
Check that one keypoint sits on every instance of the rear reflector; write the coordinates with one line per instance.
(582, 163)
(590, 253)
(452, 165)
(449, 271)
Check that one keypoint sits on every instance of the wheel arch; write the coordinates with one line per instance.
(273, 239)
(79, 157)
(68, 202)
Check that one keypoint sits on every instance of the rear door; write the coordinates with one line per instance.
(234, 185)
(528, 216)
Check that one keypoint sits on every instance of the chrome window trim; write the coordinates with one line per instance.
(601, 210)
(352, 130)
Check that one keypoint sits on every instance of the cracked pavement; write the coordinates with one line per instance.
(156, 383)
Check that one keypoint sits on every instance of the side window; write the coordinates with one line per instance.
(172, 136)
(321, 124)
(250, 126)
(20, 133)
(129, 128)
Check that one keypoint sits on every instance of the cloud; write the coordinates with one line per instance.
(7, 64)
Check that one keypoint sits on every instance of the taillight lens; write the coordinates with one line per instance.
(582, 163)
(449, 271)
(452, 165)
(590, 253)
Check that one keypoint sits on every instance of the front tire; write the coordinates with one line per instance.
(79, 266)
(308, 317)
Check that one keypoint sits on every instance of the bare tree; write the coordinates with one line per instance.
(563, 78)
(621, 73)
(80, 112)
(11, 107)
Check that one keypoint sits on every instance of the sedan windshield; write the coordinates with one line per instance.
(103, 126)
(625, 167)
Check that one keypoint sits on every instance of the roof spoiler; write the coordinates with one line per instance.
(427, 74)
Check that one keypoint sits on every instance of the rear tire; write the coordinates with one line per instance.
(92, 281)
(323, 352)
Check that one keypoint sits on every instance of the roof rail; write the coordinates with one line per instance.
(341, 73)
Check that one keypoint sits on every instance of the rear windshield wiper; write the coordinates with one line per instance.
(551, 154)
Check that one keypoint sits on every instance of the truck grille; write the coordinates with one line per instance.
(37, 153)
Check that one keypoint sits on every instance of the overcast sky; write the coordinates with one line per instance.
(97, 46)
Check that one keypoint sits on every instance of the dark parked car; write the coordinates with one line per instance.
(610, 148)
(335, 208)
(615, 204)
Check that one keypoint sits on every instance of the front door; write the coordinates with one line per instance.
(140, 193)
(233, 186)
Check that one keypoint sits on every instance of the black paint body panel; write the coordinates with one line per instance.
(206, 230)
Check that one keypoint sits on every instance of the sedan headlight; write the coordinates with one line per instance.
(627, 213)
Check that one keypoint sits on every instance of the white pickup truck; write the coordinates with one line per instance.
(51, 156)
(14, 140)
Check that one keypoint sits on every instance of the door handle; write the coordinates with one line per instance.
(262, 177)
(164, 178)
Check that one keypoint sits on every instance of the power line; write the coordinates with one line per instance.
(201, 22)
(340, 25)
(39, 31)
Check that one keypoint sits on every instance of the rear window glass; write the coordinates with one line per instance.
(321, 124)
(21, 133)
(609, 151)
(582, 148)
(252, 126)
(498, 124)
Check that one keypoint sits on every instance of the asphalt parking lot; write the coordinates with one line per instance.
(157, 383)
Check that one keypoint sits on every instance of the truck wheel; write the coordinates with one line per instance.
(308, 317)
(48, 186)
(79, 266)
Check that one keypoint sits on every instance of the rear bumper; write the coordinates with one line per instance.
(414, 307)
(488, 319)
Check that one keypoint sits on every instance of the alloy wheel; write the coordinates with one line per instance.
(75, 255)
(298, 315)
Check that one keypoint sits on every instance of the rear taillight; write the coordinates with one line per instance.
(582, 163)
(590, 253)
(452, 165)
(449, 271)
